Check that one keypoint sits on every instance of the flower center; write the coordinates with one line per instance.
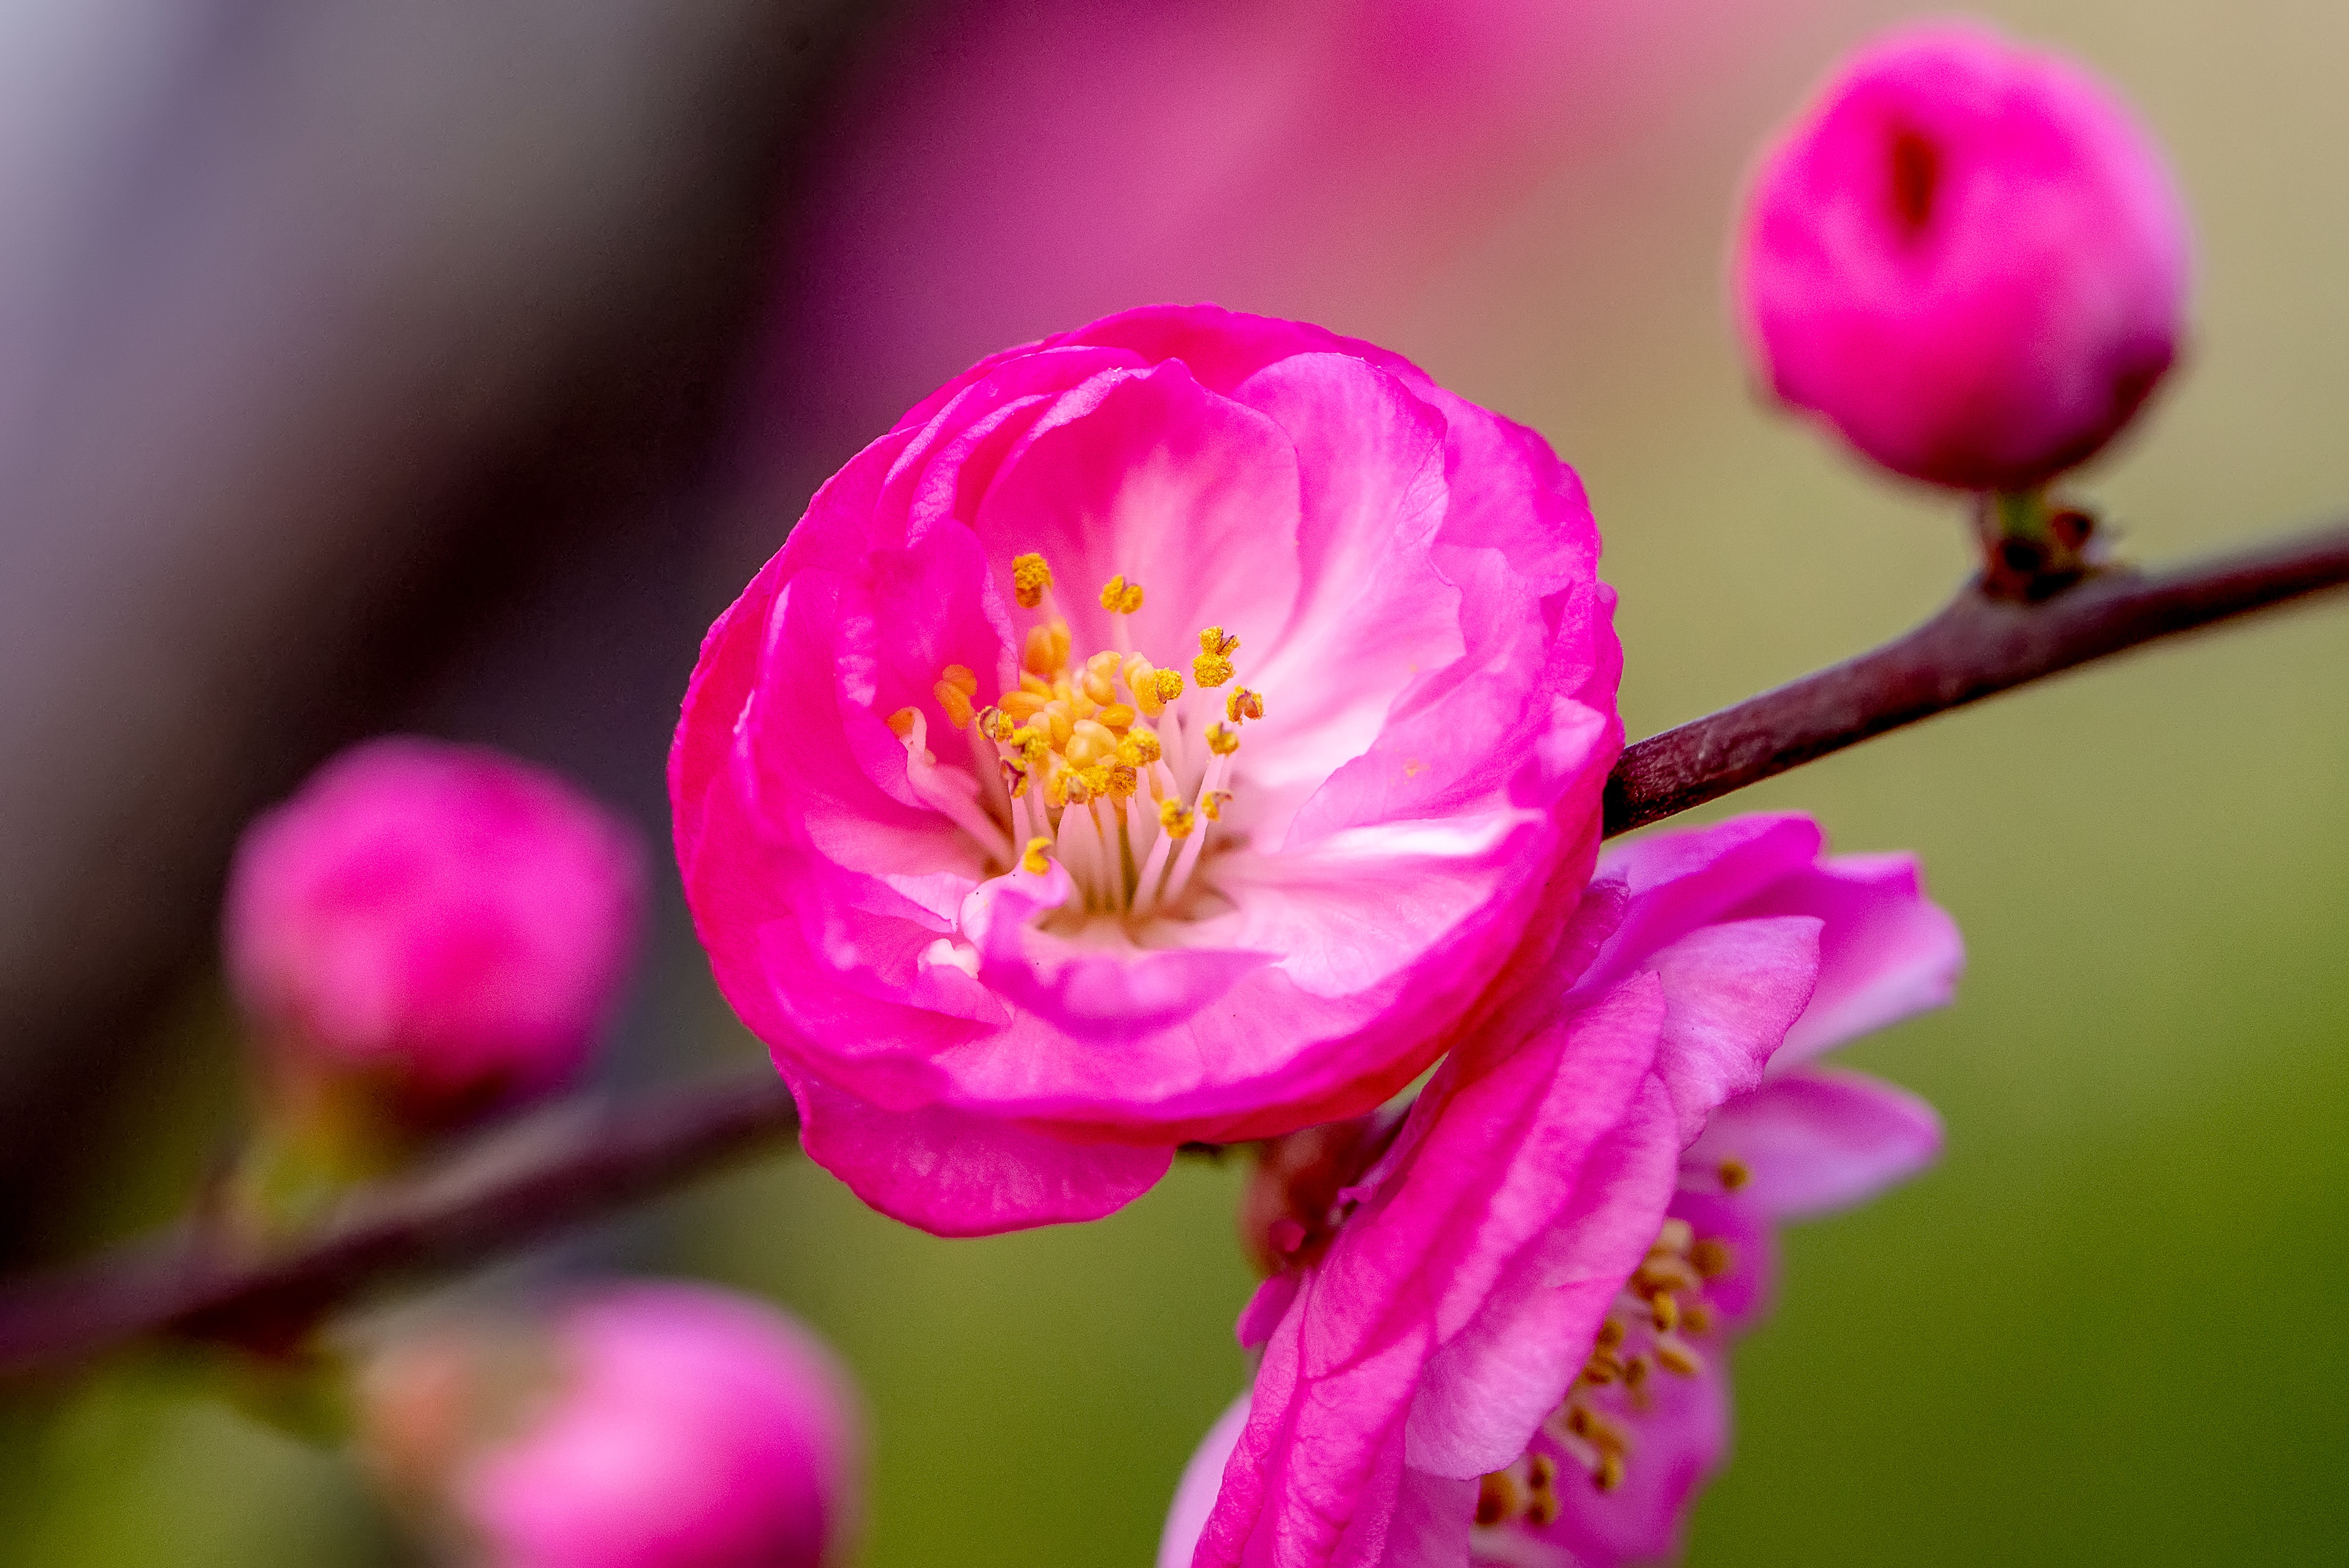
(1660, 1310)
(1106, 761)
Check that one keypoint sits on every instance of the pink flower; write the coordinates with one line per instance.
(436, 928)
(1518, 1317)
(1168, 731)
(1967, 256)
(643, 1426)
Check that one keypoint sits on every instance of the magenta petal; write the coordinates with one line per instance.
(1194, 1494)
(1821, 1139)
(954, 1175)
(1098, 995)
(1886, 952)
(1731, 992)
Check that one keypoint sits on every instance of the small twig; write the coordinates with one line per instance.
(551, 1170)
(1975, 647)
(573, 1164)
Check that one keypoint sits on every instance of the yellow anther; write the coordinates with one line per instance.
(1541, 1471)
(1212, 803)
(1666, 1311)
(1733, 1173)
(1060, 630)
(1666, 1272)
(959, 677)
(1216, 641)
(1039, 656)
(1074, 789)
(956, 701)
(1035, 744)
(1697, 1317)
(1033, 860)
(1595, 1429)
(1222, 740)
(1117, 716)
(1243, 704)
(1609, 1475)
(1165, 686)
(1062, 722)
(1119, 597)
(1022, 706)
(1100, 735)
(1143, 743)
(1678, 1358)
(1124, 781)
(1031, 577)
(1636, 1370)
(1713, 1257)
(1056, 788)
(1097, 780)
(995, 724)
(1035, 684)
(1210, 670)
(1674, 1236)
(1602, 1368)
(1175, 818)
(901, 723)
(1542, 1508)
(1497, 1500)
(1102, 689)
(1015, 780)
(1611, 1334)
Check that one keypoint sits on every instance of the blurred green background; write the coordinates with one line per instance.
(2103, 1331)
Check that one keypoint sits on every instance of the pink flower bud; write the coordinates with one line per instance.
(642, 1426)
(434, 929)
(1967, 256)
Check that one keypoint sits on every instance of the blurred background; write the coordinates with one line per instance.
(447, 366)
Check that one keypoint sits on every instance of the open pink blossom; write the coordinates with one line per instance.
(638, 1426)
(1169, 731)
(1967, 256)
(1507, 1345)
(433, 928)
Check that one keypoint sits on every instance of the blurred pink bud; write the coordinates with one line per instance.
(434, 929)
(1967, 256)
(643, 1426)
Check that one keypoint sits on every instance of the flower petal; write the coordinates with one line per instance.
(1821, 1139)
(954, 1174)
(1887, 951)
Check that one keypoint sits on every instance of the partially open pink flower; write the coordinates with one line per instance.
(1168, 731)
(435, 928)
(1507, 1346)
(642, 1426)
(1967, 256)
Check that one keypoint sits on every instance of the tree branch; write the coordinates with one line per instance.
(573, 1163)
(1975, 647)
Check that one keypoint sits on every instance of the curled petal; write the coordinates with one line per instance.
(1820, 1139)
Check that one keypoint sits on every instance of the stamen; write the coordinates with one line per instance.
(1212, 803)
(1223, 739)
(1497, 1500)
(1175, 818)
(1667, 1311)
(1033, 860)
(901, 723)
(1243, 704)
(1713, 1257)
(1038, 657)
(1610, 1473)
(1030, 578)
(1733, 1173)
(956, 701)
(1119, 597)
(1213, 668)
(1678, 1357)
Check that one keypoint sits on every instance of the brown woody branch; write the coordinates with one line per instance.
(574, 1164)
